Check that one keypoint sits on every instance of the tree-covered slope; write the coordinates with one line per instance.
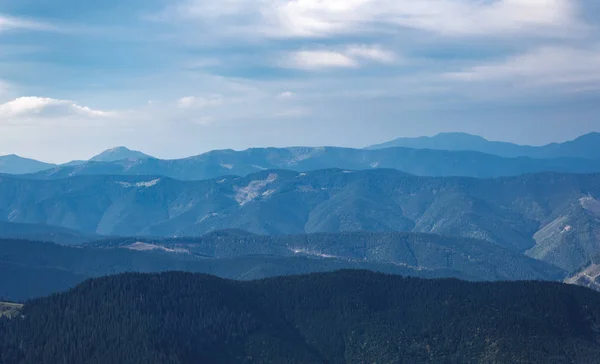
(37, 269)
(572, 238)
(478, 259)
(342, 317)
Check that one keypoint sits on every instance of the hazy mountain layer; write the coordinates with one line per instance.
(13, 164)
(38, 232)
(586, 146)
(420, 162)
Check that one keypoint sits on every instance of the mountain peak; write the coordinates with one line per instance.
(119, 153)
(459, 135)
(594, 136)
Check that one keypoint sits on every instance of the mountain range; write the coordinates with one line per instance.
(420, 162)
(341, 317)
(586, 146)
(538, 214)
(451, 154)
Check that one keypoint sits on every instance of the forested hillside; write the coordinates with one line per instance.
(343, 317)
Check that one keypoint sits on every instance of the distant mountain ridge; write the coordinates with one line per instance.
(303, 159)
(526, 213)
(446, 154)
(13, 164)
(586, 146)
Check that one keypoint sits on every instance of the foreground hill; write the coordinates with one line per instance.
(38, 269)
(532, 212)
(228, 162)
(342, 317)
(586, 146)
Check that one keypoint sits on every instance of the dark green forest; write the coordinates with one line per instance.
(341, 317)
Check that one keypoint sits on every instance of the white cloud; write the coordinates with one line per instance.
(46, 107)
(13, 23)
(315, 60)
(324, 18)
(350, 57)
(374, 53)
(286, 95)
(543, 66)
(194, 102)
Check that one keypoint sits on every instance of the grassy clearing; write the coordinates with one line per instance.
(9, 309)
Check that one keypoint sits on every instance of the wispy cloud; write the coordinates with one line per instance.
(347, 57)
(47, 107)
(374, 53)
(316, 60)
(317, 18)
(545, 66)
(198, 102)
(14, 23)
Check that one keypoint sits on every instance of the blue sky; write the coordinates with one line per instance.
(179, 77)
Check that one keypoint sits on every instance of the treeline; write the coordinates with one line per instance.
(342, 317)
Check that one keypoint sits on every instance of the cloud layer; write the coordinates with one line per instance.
(318, 18)
(242, 73)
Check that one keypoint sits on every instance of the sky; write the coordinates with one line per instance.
(175, 78)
